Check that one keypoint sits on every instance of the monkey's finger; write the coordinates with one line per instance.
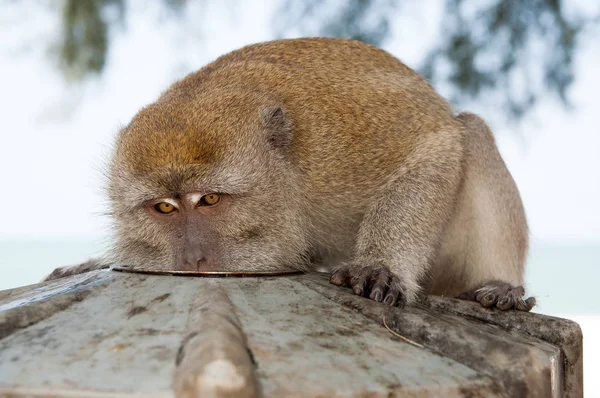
(395, 295)
(378, 291)
(359, 283)
(531, 302)
(489, 300)
(505, 302)
(340, 276)
(510, 298)
(391, 298)
(488, 295)
(378, 284)
(525, 305)
(470, 296)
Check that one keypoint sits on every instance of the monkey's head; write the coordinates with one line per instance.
(208, 182)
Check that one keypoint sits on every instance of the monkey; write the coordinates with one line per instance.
(295, 153)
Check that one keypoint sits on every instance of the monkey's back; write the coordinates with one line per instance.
(356, 110)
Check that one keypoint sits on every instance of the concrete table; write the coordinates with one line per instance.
(117, 334)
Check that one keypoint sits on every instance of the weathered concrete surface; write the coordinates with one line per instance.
(559, 332)
(112, 334)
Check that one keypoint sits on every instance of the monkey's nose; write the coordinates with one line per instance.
(194, 264)
(193, 259)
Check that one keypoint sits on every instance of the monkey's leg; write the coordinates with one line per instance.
(401, 231)
(483, 253)
(501, 295)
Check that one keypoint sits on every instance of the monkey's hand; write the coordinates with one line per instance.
(501, 295)
(90, 265)
(377, 283)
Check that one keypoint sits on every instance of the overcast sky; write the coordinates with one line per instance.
(55, 138)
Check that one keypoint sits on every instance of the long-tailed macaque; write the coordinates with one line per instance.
(292, 153)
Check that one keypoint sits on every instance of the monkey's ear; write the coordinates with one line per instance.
(278, 127)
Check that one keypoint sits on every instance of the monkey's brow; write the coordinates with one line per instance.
(143, 198)
(169, 183)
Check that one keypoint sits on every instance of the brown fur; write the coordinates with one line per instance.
(328, 149)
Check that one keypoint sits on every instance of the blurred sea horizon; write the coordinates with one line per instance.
(562, 276)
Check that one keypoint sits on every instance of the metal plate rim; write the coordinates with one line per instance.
(238, 274)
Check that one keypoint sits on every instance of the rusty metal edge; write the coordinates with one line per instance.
(214, 274)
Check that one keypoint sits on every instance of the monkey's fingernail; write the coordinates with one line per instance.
(401, 302)
(358, 291)
(488, 300)
(504, 303)
(521, 305)
(390, 299)
(336, 279)
(525, 305)
(376, 295)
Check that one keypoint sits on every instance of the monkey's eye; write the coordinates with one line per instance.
(164, 208)
(210, 199)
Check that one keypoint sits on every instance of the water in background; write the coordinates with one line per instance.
(27, 262)
(562, 277)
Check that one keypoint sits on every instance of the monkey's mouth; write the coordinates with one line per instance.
(206, 273)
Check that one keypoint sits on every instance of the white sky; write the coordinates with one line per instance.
(50, 159)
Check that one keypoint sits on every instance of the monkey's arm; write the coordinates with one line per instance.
(90, 265)
(402, 230)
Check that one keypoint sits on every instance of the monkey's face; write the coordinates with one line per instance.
(191, 219)
(195, 189)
